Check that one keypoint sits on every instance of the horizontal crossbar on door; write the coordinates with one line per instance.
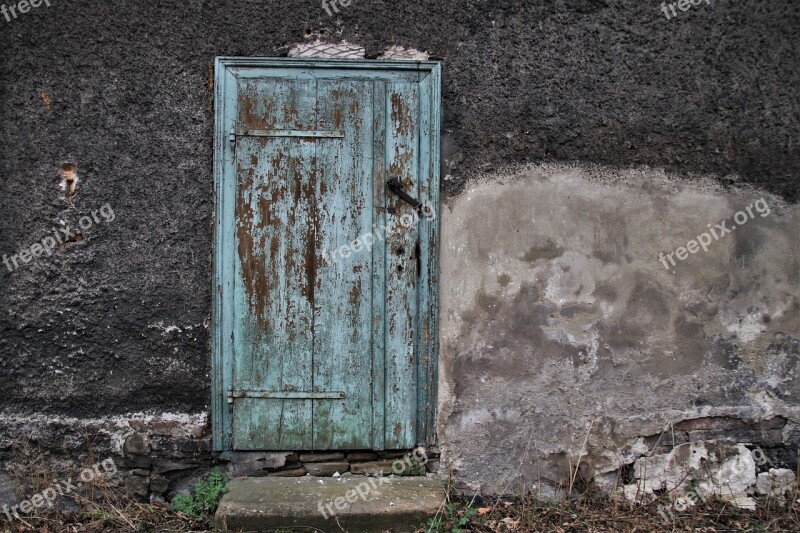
(335, 134)
(285, 395)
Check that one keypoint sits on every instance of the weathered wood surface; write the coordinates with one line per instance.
(293, 320)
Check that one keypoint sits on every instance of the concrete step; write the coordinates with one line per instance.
(356, 504)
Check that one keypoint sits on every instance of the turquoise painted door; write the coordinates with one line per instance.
(324, 323)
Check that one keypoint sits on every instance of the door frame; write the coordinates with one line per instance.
(226, 70)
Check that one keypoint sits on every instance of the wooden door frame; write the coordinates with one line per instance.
(226, 70)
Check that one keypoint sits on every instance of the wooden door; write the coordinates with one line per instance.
(324, 278)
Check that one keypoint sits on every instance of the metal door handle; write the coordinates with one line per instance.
(396, 186)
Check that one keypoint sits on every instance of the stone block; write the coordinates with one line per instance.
(163, 443)
(326, 469)
(711, 423)
(138, 485)
(394, 455)
(137, 461)
(291, 472)
(253, 463)
(373, 468)
(163, 466)
(362, 456)
(321, 457)
(776, 482)
(159, 484)
(717, 468)
(268, 504)
(136, 444)
(187, 445)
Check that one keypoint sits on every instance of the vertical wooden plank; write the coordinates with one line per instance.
(342, 358)
(426, 340)
(222, 334)
(299, 237)
(402, 154)
(378, 324)
(273, 300)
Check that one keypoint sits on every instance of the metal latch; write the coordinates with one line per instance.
(396, 186)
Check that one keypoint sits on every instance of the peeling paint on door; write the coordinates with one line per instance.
(311, 354)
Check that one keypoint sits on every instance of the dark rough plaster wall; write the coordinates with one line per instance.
(122, 90)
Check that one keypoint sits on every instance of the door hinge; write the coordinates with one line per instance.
(232, 140)
(284, 395)
(316, 134)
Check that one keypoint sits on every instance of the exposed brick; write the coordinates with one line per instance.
(726, 422)
(711, 422)
(326, 469)
(769, 437)
(668, 438)
(773, 423)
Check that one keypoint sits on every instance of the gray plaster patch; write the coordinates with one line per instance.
(556, 313)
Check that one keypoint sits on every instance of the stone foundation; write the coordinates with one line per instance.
(159, 456)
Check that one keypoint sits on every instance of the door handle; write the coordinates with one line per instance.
(396, 186)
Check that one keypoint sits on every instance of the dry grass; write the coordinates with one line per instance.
(113, 511)
(106, 507)
(605, 515)
(110, 510)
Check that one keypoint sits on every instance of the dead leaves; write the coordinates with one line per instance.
(504, 524)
